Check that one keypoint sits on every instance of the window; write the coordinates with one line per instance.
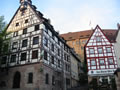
(47, 78)
(36, 27)
(45, 55)
(53, 80)
(108, 49)
(24, 43)
(4, 60)
(15, 34)
(58, 63)
(13, 58)
(52, 59)
(26, 21)
(67, 81)
(45, 41)
(65, 56)
(30, 77)
(98, 39)
(17, 24)
(58, 52)
(14, 45)
(92, 51)
(35, 54)
(102, 62)
(93, 63)
(100, 50)
(23, 56)
(52, 47)
(25, 31)
(35, 40)
(110, 61)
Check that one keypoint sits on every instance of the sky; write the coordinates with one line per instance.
(71, 15)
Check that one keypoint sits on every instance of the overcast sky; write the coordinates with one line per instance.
(71, 15)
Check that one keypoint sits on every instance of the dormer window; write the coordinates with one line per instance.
(98, 39)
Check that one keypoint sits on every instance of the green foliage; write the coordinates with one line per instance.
(3, 33)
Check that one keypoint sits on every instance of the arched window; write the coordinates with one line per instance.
(16, 80)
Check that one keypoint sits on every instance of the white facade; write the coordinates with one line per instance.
(100, 55)
(117, 48)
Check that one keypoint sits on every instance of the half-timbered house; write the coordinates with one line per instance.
(38, 58)
(100, 56)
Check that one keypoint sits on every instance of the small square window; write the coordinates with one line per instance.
(110, 61)
(100, 50)
(98, 39)
(15, 34)
(35, 40)
(23, 56)
(93, 63)
(36, 27)
(14, 45)
(101, 61)
(17, 24)
(26, 21)
(24, 43)
(108, 49)
(13, 58)
(25, 31)
(92, 51)
(35, 54)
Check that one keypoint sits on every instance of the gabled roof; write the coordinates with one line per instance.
(110, 34)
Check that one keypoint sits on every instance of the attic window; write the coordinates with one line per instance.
(17, 24)
(26, 21)
(98, 39)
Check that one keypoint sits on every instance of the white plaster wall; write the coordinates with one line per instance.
(117, 48)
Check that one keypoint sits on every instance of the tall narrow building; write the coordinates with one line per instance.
(38, 58)
(100, 57)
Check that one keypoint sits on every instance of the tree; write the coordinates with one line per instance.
(4, 40)
(3, 33)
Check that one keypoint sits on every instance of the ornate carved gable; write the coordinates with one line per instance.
(24, 17)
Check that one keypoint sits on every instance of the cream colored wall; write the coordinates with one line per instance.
(78, 45)
(74, 68)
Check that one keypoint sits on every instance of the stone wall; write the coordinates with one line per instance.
(39, 70)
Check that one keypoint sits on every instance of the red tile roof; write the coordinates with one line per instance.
(110, 33)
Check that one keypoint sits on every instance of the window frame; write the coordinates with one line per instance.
(13, 56)
(25, 57)
(35, 54)
(24, 43)
(101, 59)
(35, 40)
(30, 78)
